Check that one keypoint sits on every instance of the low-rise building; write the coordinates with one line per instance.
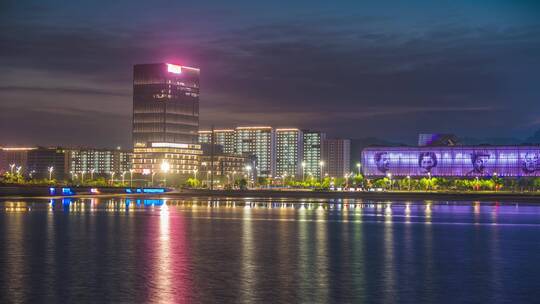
(98, 161)
(176, 159)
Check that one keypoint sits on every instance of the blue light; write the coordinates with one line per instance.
(153, 202)
(154, 190)
(52, 191)
(128, 190)
(67, 191)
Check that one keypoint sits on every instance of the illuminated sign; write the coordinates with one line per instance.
(474, 161)
(67, 191)
(173, 68)
(146, 190)
(153, 190)
(169, 145)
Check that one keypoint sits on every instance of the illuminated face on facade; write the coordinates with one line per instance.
(382, 160)
(479, 161)
(530, 163)
(427, 161)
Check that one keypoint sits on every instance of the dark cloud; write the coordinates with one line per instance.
(57, 90)
(351, 75)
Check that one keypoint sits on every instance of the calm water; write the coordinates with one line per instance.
(245, 251)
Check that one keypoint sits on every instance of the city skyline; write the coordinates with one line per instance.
(382, 71)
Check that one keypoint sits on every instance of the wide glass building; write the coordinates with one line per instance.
(456, 161)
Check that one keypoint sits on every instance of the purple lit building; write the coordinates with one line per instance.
(456, 161)
(165, 104)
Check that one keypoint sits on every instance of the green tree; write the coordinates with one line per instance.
(193, 182)
(242, 183)
(358, 180)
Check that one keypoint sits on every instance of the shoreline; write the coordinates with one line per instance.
(529, 197)
(380, 196)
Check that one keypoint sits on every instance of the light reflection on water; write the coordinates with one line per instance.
(263, 250)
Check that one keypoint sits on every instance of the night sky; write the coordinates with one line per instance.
(355, 69)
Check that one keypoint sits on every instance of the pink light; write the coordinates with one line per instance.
(173, 68)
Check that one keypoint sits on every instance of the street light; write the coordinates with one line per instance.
(131, 177)
(409, 179)
(303, 171)
(165, 167)
(358, 165)
(82, 176)
(153, 173)
(112, 177)
(321, 164)
(19, 170)
(124, 178)
(50, 169)
(32, 173)
(389, 175)
(92, 174)
(11, 168)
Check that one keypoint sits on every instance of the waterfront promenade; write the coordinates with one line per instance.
(529, 197)
(532, 197)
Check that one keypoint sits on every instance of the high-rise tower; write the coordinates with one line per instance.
(165, 104)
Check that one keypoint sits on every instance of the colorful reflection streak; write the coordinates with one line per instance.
(219, 250)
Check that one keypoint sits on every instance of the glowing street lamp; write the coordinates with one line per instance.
(409, 179)
(19, 170)
(321, 164)
(195, 173)
(32, 173)
(50, 169)
(303, 171)
(165, 167)
(11, 168)
(92, 174)
(112, 177)
(124, 178)
(82, 176)
(131, 177)
(389, 175)
(153, 173)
